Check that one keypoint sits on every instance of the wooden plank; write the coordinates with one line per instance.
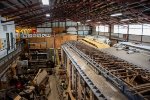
(1, 44)
(95, 43)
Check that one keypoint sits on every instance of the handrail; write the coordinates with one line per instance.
(8, 59)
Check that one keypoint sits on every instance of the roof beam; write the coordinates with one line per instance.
(28, 17)
(25, 12)
(33, 24)
(19, 10)
(37, 18)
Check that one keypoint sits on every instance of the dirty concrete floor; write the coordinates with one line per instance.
(54, 95)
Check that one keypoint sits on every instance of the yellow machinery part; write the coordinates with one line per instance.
(94, 43)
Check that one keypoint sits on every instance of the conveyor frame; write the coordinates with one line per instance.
(95, 90)
(125, 88)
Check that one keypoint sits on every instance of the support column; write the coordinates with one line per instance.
(77, 30)
(142, 34)
(76, 85)
(110, 31)
(128, 33)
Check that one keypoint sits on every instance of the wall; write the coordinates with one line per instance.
(121, 37)
(8, 27)
(48, 42)
(94, 32)
(69, 27)
(44, 30)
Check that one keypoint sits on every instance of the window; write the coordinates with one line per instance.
(135, 29)
(68, 23)
(146, 29)
(4, 27)
(120, 29)
(74, 24)
(102, 28)
(54, 24)
(97, 28)
(83, 28)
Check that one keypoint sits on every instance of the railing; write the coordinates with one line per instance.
(9, 58)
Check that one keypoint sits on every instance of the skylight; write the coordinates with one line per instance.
(47, 15)
(45, 2)
(116, 14)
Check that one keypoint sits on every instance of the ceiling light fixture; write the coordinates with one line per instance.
(98, 22)
(45, 2)
(68, 19)
(116, 14)
(47, 15)
(88, 20)
(123, 20)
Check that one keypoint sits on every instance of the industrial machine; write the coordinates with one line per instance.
(28, 89)
(20, 84)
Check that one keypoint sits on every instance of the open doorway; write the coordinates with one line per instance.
(8, 41)
(12, 40)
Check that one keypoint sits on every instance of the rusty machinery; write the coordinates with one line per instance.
(132, 80)
(39, 87)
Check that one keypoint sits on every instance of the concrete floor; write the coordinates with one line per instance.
(54, 95)
(139, 59)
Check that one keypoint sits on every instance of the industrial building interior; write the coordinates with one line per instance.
(74, 49)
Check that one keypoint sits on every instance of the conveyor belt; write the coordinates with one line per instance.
(132, 80)
(106, 91)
